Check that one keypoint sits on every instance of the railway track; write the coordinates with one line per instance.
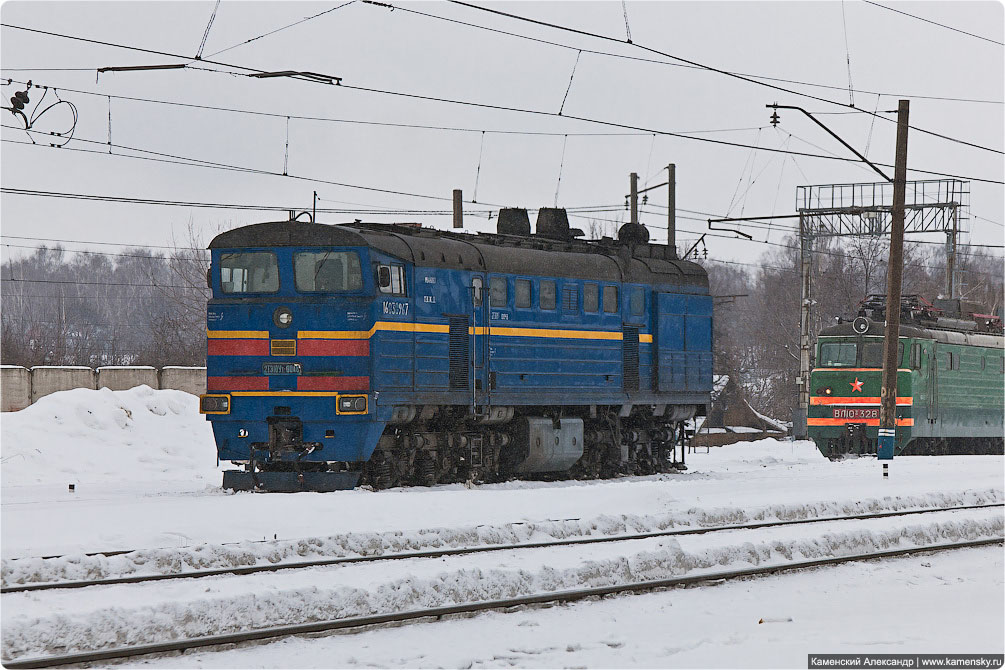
(472, 607)
(458, 551)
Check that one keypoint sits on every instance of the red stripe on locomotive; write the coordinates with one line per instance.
(239, 347)
(237, 383)
(333, 383)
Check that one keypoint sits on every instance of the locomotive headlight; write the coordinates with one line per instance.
(355, 404)
(214, 404)
(282, 317)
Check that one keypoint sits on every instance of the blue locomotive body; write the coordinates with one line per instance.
(409, 355)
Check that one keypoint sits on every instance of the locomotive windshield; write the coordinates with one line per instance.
(837, 354)
(249, 272)
(846, 354)
(327, 271)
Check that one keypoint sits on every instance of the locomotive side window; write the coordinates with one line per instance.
(637, 302)
(391, 279)
(249, 272)
(837, 354)
(915, 356)
(591, 298)
(327, 271)
(547, 294)
(522, 298)
(497, 291)
(611, 299)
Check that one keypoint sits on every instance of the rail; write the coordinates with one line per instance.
(437, 553)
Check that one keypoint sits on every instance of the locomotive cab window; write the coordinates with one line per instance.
(837, 354)
(546, 295)
(522, 298)
(249, 272)
(391, 279)
(611, 299)
(497, 291)
(591, 298)
(327, 271)
(872, 354)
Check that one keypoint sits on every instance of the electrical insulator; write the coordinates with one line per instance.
(775, 119)
(645, 198)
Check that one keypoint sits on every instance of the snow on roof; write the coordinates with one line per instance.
(183, 367)
(778, 425)
(60, 367)
(127, 367)
(13, 367)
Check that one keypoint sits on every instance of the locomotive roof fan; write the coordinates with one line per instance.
(553, 223)
(861, 325)
(513, 221)
(633, 233)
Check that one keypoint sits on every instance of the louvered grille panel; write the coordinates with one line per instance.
(460, 354)
(630, 359)
(570, 299)
(283, 348)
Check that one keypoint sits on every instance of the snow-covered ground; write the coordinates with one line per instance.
(926, 604)
(146, 478)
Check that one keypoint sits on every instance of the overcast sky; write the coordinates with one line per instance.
(403, 52)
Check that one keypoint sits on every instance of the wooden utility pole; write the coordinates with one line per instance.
(672, 210)
(634, 196)
(458, 209)
(888, 392)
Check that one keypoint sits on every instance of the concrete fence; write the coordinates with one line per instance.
(20, 387)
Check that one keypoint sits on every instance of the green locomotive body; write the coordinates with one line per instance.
(949, 385)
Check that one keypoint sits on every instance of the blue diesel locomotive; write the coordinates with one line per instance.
(395, 354)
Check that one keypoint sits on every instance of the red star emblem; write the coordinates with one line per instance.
(856, 385)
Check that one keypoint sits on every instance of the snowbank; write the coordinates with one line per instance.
(211, 556)
(204, 612)
(82, 435)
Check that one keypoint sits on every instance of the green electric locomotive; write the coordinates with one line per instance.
(949, 381)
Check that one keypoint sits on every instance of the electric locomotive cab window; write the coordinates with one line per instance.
(637, 301)
(872, 354)
(391, 279)
(611, 299)
(547, 294)
(522, 298)
(837, 354)
(327, 271)
(591, 298)
(497, 291)
(249, 272)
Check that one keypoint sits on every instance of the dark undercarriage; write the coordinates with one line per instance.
(446, 444)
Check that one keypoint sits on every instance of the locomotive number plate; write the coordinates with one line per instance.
(856, 413)
(281, 369)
